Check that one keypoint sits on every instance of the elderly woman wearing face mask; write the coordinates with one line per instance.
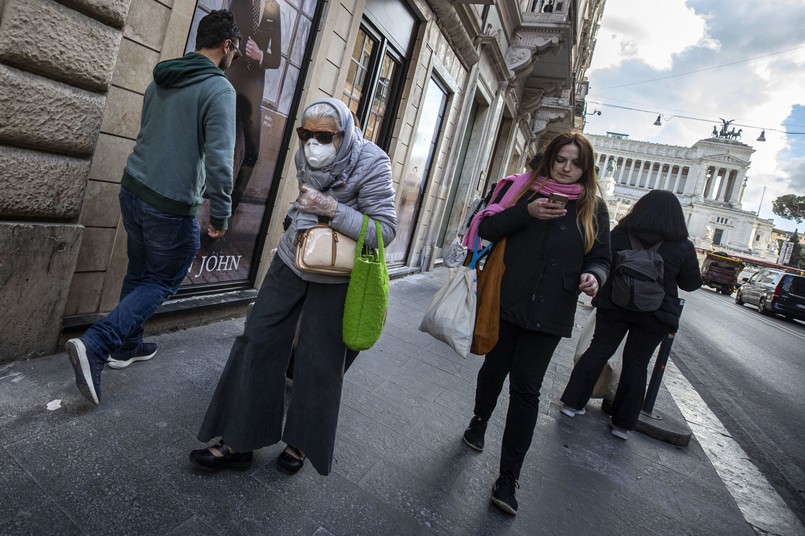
(341, 177)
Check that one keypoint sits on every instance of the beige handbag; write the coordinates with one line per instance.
(323, 250)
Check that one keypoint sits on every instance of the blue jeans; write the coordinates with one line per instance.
(161, 248)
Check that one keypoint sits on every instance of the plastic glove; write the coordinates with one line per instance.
(315, 202)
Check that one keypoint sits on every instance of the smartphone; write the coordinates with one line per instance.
(558, 199)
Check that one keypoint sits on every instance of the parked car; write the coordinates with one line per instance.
(774, 291)
(745, 274)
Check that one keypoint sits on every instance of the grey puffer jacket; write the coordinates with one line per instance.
(367, 189)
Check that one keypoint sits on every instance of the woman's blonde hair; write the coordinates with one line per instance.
(586, 213)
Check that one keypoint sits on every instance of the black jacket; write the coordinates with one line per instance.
(544, 261)
(680, 270)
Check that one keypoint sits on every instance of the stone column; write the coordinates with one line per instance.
(676, 180)
(622, 171)
(659, 177)
(695, 177)
(631, 170)
(722, 183)
(709, 177)
(649, 173)
(643, 175)
(729, 193)
(56, 64)
(741, 190)
(667, 182)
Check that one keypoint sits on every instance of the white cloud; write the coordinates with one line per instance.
(646, 39)
(626, 35)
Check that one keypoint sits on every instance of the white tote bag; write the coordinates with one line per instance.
(451, 315)
(607, 383)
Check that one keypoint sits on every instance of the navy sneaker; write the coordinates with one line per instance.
(474, 434)
(503, 494)
(144, 352)
(88, 366)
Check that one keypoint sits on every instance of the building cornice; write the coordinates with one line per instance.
(454, 30)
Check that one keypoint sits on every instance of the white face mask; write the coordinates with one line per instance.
(319, 155)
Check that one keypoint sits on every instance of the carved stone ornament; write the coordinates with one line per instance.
(543, 117)
(532, 98)
(525, 47)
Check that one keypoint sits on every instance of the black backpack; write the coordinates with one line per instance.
(637, 280)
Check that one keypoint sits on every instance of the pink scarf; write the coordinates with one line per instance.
(518, 182)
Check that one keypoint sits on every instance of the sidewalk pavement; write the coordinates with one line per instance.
(401, 468)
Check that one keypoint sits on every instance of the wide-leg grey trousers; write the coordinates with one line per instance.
(246, 410)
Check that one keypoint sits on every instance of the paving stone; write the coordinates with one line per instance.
(193, 527)
(389, 442)
(19, 493)
(340, 505)
(45, 519)
(23, 400)
(353, 459)
(362, 377)
(229, 502)
(430, 507)
(384, 411)
(102, 492)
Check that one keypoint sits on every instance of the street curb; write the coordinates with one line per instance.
(658, 425)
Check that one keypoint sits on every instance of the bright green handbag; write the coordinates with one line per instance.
(367, 295)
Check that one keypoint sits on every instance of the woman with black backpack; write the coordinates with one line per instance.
(650, 248)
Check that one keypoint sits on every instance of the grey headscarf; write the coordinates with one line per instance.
(328, 176)
(324, 178)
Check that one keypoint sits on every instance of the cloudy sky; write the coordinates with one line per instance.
(643, 40)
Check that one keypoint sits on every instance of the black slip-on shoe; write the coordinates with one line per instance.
(237, 461)
(289, 464)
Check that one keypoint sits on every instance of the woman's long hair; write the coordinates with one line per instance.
(586, 213)
(659, 213)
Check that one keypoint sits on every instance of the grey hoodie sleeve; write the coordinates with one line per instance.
(219, 151)
(374, 196)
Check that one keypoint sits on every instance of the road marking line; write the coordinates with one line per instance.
(758, 501)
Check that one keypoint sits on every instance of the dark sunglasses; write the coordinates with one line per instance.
(236, 48)
(322, 136)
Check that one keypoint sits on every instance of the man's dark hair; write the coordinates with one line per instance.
(216, 28)
(659, 213)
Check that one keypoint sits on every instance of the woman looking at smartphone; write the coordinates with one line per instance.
(552, 254)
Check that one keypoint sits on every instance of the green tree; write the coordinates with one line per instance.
(790, 207)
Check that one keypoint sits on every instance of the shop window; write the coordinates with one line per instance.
(371, 89)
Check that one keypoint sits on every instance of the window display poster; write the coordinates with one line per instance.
(274, 35)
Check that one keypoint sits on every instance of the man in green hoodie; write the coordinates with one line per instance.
(185, 147)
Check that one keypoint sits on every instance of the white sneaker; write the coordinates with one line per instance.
(617, 431)
(570, 412)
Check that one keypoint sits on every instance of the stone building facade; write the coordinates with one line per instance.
(459, 93)
(709, 179)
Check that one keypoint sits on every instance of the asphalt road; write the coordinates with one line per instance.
(750, 370)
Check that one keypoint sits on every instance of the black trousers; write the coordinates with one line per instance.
(524, 356)
(246, 410)
(643, 334)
